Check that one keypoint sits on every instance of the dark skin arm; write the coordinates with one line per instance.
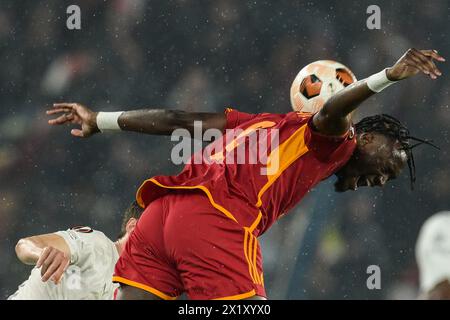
(150, 121)
(164, 122)
(333, 119)
(335, 116)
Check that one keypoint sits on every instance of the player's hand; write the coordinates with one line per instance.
(53, 263)
(413, 62)
(75, 113)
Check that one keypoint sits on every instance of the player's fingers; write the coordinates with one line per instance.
(43, 256)
(415, 61)
(64, 105)
(420, 68)
(77, 133)
(48, 262)
(58, 110)
(77, 107)
(67, 117)
(58, 274)
(433, 54)
(427, 62)
(51, 269)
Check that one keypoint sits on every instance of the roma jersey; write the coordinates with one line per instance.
(264, 164)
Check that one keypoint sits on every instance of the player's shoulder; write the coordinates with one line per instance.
(293, 119)
(438, 221)
(299, 116)
(84, 234)
(292, 116)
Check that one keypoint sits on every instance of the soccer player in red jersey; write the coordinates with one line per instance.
(199, 230)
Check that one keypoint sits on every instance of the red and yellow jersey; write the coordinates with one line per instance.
(256, 193)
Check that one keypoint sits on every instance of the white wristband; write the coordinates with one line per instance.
(379, 81)
(108, 121)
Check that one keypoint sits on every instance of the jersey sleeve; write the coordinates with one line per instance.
(236, 118)
(75, 241)
(324, 146)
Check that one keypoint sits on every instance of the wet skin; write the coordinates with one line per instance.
(376, 160)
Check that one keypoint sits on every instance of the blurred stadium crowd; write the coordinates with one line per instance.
(204, 56)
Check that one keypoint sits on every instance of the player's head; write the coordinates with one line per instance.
(383, 149)
(130, 218)
(433, 259)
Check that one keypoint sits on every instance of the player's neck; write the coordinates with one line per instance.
(120, 243)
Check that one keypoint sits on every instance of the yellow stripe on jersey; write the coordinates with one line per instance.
(203, 188)
(255, 267)
(283, 156)
(256, 222)
(141, 286)
(250, 270)
(239, 296)
(233, 144)
(250, 252)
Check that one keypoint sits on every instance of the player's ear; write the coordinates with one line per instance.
(365, 138)
(131, 224)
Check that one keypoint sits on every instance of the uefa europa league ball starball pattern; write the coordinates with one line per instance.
(317, 82)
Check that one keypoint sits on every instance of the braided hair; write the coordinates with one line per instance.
(390, 126)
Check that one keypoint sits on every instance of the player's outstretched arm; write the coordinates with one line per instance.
(150, 121)
(49, 252)
(335, 116)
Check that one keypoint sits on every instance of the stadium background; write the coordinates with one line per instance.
(204, 56)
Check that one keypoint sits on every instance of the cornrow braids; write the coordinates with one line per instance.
(390, 126)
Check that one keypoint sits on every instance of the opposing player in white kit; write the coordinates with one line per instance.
(79, 262)
(433, 257)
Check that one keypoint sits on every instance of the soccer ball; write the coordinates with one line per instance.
(317, 82)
